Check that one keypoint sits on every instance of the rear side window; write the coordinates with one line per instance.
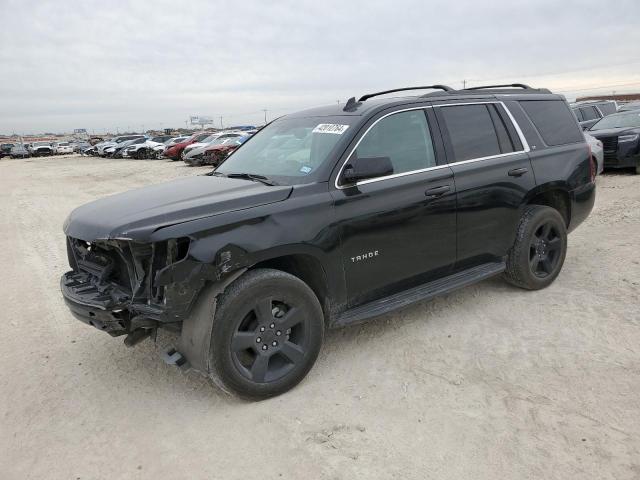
(589, 113)
(475, 131)
(578, 114)
(554, 121)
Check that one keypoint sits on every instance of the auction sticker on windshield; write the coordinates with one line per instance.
(331, 128)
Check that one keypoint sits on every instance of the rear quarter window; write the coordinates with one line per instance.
(608, 108)
(554, 121)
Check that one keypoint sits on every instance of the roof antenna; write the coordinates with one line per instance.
(351, 105)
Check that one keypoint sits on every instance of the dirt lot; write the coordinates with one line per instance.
(491, 382)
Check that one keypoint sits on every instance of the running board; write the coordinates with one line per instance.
(420, 293)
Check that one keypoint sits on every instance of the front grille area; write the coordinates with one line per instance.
(610, 144)
(610, 147)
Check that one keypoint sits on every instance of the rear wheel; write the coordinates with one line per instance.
(538, 253)
(267, 333)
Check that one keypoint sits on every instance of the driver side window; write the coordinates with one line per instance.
(402, 137)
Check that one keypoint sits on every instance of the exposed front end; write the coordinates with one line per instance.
(122, 287)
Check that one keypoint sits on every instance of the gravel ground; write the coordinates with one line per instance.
(490, 382)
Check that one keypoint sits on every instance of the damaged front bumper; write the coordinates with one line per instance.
(120, 286)
(94, 304)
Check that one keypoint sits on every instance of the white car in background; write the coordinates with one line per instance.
(61, 148)
(146, 149)
(597, 151)
(40, 149)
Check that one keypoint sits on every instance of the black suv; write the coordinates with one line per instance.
(329, 217)
(620, 137)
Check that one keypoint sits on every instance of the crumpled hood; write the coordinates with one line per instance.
(136, 214)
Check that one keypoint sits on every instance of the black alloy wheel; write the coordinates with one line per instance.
(268, 329)
(545, 250)
(538, 252)
(270, 340)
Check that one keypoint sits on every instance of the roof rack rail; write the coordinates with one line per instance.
(439, 87)
(513, 85)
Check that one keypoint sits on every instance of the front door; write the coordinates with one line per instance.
(399, 230)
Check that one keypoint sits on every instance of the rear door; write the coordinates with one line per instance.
(399, 230)
(492, 174)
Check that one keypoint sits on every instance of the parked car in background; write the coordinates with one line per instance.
(597, 152)
(78, 147)
(620, 134)
(589, 112)
(628, 107)
(216, 153)
(329, 217)
(102, 146)
(40, 149)
(19, 150)
(90, 150)
(5, 149)
(197, 149)
(60, 148)
(174, 151)
(145, 149)
(175, 140)
(120, 149)
(202, 143)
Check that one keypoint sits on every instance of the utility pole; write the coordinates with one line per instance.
(265, 115)
(221, 126)
(464, 84)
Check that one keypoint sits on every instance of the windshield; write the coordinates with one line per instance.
(224, 139)
(618, 121)
(201, 137)
(290, 149)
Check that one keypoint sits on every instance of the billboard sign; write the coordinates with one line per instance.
(200, 120)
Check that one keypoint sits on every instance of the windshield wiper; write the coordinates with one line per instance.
(251, 176)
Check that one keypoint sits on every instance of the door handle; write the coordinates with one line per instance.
(436, 192)
(518, 172)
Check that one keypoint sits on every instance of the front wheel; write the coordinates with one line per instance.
(267, 333)
(538, 253)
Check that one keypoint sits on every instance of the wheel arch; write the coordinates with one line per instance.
(307, 268)
(554, 196)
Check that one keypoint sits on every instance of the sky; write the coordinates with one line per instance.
(127, 65)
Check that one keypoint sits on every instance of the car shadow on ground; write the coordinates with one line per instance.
(134, 368)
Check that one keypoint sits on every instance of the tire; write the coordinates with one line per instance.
(637, 169)
(259, 347)
(539, 250)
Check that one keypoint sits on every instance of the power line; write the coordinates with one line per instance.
(562, 72)
(568, 90)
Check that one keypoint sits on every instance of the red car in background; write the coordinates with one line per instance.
(216, 154)
(173, 152)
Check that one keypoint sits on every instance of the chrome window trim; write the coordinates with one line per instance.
(523, 141)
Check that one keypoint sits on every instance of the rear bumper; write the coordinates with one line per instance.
(582, 200)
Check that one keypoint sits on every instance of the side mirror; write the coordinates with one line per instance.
(358, 169)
